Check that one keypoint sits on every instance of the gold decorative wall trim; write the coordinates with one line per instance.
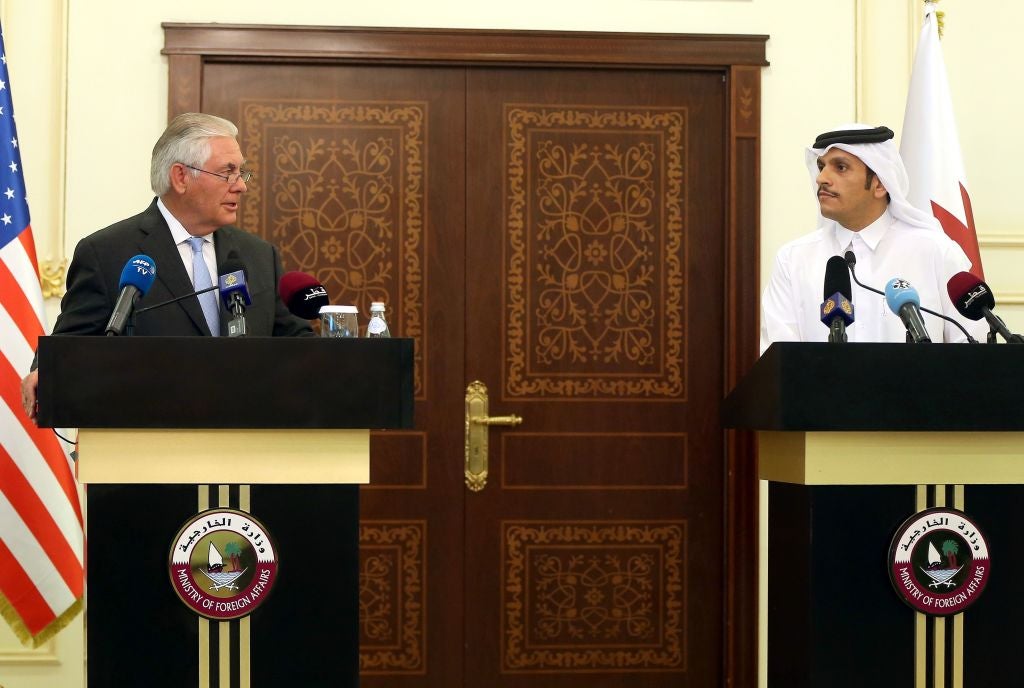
(1001, 240)
(52, 274)
(47, 99)
(1012, 298)
(865, 13)
(56, 267)
(46, 654)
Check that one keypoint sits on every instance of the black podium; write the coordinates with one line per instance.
(854, 439)
(275, 428)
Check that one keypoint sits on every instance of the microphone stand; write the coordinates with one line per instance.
(175, 299)
(837, 331)
(997, 326)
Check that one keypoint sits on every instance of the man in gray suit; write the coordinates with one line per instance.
(198, 177)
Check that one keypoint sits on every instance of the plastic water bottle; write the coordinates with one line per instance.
(378, 326)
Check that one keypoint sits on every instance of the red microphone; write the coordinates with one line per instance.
(302, 294)
(973, 299)
(970, 295)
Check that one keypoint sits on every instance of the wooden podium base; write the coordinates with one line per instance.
(834, 619)
(290, 419)
(854, 440)
(308, 623)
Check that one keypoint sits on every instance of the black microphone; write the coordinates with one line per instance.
(234, 292)
(136, 278)
(851, 260)
(836, 308)
(973, 300)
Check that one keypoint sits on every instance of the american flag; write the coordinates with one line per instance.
(41, 565)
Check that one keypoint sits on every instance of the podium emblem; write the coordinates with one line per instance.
(939, 562)
(222, 564)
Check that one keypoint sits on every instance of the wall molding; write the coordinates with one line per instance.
(1001, 240)
(45, 655)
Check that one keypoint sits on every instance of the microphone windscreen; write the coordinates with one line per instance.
(139, 272)
(898, 293)
(292, 282)
(851, 259)
(232, 263)
(837, 278)
(970, 295)
(302, 294)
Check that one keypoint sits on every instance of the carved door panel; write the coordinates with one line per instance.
(359, 181)
(595, 233)
(577, 270)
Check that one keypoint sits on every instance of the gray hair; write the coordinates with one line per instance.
(186, 140)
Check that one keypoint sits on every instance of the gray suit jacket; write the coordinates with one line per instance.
(100, 257)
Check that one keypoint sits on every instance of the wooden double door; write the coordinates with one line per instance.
(560, 236)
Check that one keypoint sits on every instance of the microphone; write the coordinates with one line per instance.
(851, 260)
(904, 302)
(136, 278)
(973, 300)
(234, 292)
(836, 309)
(302, 294)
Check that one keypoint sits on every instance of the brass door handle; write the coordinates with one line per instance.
(477, 425)
(497, 420)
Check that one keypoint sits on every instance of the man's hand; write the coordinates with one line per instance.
(28, 393)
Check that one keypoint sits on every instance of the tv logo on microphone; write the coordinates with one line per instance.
(230, 280)
(974, 294)
(316, 292)
(831, 304)
(900, 284)
(143, 267)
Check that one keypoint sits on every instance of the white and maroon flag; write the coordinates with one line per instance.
(41, 563)
(930, 147)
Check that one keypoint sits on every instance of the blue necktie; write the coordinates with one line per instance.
(201, 280)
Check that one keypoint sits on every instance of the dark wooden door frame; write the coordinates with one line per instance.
(740, 58)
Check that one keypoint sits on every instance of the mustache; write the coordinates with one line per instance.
(822, 189)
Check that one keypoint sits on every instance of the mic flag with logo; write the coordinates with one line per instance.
(930, 147)
(41, 561)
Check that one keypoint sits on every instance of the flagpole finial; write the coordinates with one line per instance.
(940, 16)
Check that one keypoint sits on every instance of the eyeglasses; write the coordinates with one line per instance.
(231, 178)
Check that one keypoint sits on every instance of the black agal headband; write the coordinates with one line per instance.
(876, 135)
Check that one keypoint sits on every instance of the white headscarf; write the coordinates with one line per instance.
(884, 159)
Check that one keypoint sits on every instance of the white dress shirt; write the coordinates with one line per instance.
(887, 248)
(180, 237)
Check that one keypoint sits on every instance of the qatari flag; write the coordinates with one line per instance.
(930, 147)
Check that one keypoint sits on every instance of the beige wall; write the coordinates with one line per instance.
(831, 62)
(90, 90)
